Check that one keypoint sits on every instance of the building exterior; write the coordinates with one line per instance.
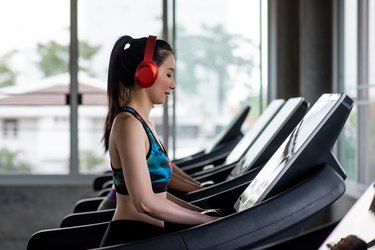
(35, 122)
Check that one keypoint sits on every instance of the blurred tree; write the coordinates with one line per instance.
(7, 75)
(55, 57)
(89, 160)
(214, 52)
(10, 162)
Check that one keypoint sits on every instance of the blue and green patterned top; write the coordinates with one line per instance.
(158, 163)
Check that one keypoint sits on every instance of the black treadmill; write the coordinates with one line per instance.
(299, 180)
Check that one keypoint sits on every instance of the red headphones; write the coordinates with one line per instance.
(147, 71)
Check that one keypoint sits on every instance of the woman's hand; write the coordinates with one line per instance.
(213, 212)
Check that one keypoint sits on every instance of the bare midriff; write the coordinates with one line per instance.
(125, 210)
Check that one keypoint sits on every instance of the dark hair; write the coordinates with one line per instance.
(126, 55)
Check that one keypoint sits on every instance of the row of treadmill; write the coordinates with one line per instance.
(270, 183)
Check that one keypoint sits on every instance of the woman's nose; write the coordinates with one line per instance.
(172, 85)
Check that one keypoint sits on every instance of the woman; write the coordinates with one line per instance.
(140, 76)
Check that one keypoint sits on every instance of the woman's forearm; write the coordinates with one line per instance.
(183, 203)
(170, 211)
(181, 184)
(179, 172)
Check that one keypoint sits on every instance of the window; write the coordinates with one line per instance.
(348, 80)
(10, 128)
(358, 79)
(218, 68)
(366, 92)
(34, 56)
(48, 133)
(100, 25)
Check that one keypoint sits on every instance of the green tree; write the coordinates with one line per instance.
(86, 52)
(213, 52)
(7, 74)
(10, 162)
(55, 57)
(89, 160)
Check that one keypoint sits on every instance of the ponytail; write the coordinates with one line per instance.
(115, 86)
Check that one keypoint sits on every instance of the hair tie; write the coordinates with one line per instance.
(127, 45)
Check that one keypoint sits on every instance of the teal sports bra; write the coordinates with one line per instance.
(159, 165)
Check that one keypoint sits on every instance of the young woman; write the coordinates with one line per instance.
(141, 76)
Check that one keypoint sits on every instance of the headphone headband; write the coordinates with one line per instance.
(149, 51)
(147, 71)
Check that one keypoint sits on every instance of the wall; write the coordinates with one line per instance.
(301, 48)
(27, 209)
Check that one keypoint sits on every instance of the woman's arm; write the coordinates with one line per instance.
(181, 184)
(180, 181)
(179, 172)
(183, 203)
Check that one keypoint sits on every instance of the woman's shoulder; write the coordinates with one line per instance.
(126, 121)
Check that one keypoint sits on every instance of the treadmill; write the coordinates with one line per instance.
(299, 180)
(219, 179)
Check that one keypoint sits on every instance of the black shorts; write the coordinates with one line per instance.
(125, 231)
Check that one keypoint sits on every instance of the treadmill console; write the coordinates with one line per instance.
(261, 123)
(257, 153)
(310, 139)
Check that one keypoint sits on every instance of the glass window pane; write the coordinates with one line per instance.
(349, 79)
(100, 24)
(371, 116)
(218, 68)
(34, 57)
(359, 133)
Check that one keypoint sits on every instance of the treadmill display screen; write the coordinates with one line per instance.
(263, 141)
(254, 132)
(286, 153)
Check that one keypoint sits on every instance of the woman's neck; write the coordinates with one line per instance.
(139, 100)
(142, 109)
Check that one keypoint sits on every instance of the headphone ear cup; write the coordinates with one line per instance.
(146, 74)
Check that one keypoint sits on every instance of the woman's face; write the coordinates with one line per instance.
(164, 83)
